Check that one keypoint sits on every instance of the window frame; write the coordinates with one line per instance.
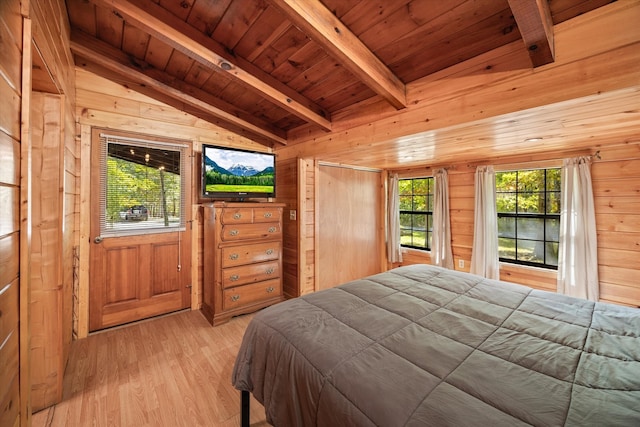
(516, 215)
(428, 213)
(108, 228)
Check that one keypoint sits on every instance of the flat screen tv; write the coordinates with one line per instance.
(231, 173)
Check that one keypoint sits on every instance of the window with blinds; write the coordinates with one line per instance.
(142, 186)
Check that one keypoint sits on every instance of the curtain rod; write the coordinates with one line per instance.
(346, 166)
(419, 170)
(543, 164)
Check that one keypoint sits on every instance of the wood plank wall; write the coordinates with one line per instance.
(287, 192)
(307, 188)
(50, 321)
(103, 103)
(54, 202)
(616, 186)
(11, 33)
(486, 94)
(298, 188)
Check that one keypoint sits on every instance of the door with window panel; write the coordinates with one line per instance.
(140, 228)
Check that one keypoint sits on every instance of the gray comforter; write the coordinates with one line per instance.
(421, 345)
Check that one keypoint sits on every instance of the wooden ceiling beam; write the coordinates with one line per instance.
(114, 60)
(536, 27)
(317, 22)
(161, 24)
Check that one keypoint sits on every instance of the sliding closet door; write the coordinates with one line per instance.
(350, 227)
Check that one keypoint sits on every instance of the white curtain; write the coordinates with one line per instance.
(484, 255)
(441, 254)
(394, 253)
(577, 254)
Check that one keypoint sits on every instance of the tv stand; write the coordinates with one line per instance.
(242, 258)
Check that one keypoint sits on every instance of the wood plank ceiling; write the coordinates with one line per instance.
(268, 68)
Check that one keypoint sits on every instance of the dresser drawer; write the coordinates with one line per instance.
(236, 276)
(267, 214)
(248, 254)
(247, 294)
(236, 232)
(236, 216)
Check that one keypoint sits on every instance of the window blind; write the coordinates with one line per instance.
(142, 186)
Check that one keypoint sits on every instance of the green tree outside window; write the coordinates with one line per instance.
(528, 206)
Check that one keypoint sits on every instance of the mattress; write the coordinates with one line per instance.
(422, 345)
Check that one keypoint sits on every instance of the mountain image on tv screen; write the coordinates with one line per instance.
(237, 172)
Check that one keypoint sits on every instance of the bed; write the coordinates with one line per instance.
(422, 345)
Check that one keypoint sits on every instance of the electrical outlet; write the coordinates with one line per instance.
(292, 215)
(460, 263)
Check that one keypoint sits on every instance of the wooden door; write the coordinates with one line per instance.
(140, 263)
(350, 227)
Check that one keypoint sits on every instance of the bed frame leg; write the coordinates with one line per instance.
(244, 408)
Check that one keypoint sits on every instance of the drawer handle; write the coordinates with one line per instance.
(267, 214)
(270, 270)
(235, 298)
(269, 251)
(270, 289)
(237, 215)
(234, 278)
(272, 229)
(234, 257)
(234, 232)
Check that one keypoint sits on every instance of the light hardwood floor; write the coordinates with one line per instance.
(169, 371)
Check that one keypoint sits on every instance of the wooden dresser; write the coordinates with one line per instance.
(242, 258)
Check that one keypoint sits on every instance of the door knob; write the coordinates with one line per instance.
(97, 239)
